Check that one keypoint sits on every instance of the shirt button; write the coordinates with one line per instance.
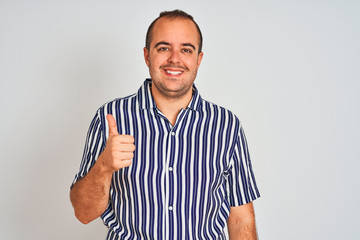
(172, 133)
(170, 169)
(170, 208)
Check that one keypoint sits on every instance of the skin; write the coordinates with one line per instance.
(173, 49)
(241, 223)
(90, 195)
(173, 61)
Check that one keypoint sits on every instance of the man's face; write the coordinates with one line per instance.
(173, 57)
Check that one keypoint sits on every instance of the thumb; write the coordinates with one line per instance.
(112, 125)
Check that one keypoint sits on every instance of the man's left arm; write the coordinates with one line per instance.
(242, 191)
(241, 223)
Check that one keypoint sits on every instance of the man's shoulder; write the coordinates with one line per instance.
(213, 108)
(118, 102)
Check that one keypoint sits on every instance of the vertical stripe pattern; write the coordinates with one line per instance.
(183, 178)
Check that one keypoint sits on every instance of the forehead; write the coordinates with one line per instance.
(175, 30)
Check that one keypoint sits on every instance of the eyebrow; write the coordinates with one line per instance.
(189, 45)
(167, 44)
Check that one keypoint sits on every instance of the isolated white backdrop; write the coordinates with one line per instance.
(288, 69)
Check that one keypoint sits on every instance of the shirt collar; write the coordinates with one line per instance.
(146, 100)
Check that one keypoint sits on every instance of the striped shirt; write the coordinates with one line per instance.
(184, 177)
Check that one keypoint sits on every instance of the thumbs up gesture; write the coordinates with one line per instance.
(119, 149)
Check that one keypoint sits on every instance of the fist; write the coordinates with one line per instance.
(119, 149)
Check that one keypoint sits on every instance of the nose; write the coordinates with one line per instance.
(174, 57)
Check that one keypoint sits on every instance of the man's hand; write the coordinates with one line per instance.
(119, 149)
(90, 195)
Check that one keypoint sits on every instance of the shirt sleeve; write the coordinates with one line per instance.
(94, 145)
(242, 185)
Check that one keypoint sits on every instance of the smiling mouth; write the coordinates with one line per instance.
(173, 72)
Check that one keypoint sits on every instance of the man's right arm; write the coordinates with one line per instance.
(90, 195)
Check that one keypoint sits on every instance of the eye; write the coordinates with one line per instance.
(163, 49)
(187, 50)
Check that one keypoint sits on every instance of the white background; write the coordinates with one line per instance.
(288, 69)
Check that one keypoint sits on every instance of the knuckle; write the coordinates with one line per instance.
(130, 139)
(127, 163)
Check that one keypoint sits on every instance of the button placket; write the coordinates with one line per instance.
(170, 168)
(169, 176)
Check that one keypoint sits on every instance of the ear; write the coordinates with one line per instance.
(200, 57)
(146, 56)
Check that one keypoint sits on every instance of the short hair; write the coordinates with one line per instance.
(172, 15)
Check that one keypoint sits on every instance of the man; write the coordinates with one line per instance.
(164, 163)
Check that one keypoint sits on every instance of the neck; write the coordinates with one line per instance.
(171, 106)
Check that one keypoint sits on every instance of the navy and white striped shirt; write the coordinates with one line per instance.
(183, 178)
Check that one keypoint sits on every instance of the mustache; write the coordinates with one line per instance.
(175, 66)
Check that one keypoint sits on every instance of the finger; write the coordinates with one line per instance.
(125, 147)
(112, 125)
(127, 156)
(121, 164)
(126, 139)
(125, 163)
(122, 156)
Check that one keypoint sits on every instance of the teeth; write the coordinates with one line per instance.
(173, 72)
